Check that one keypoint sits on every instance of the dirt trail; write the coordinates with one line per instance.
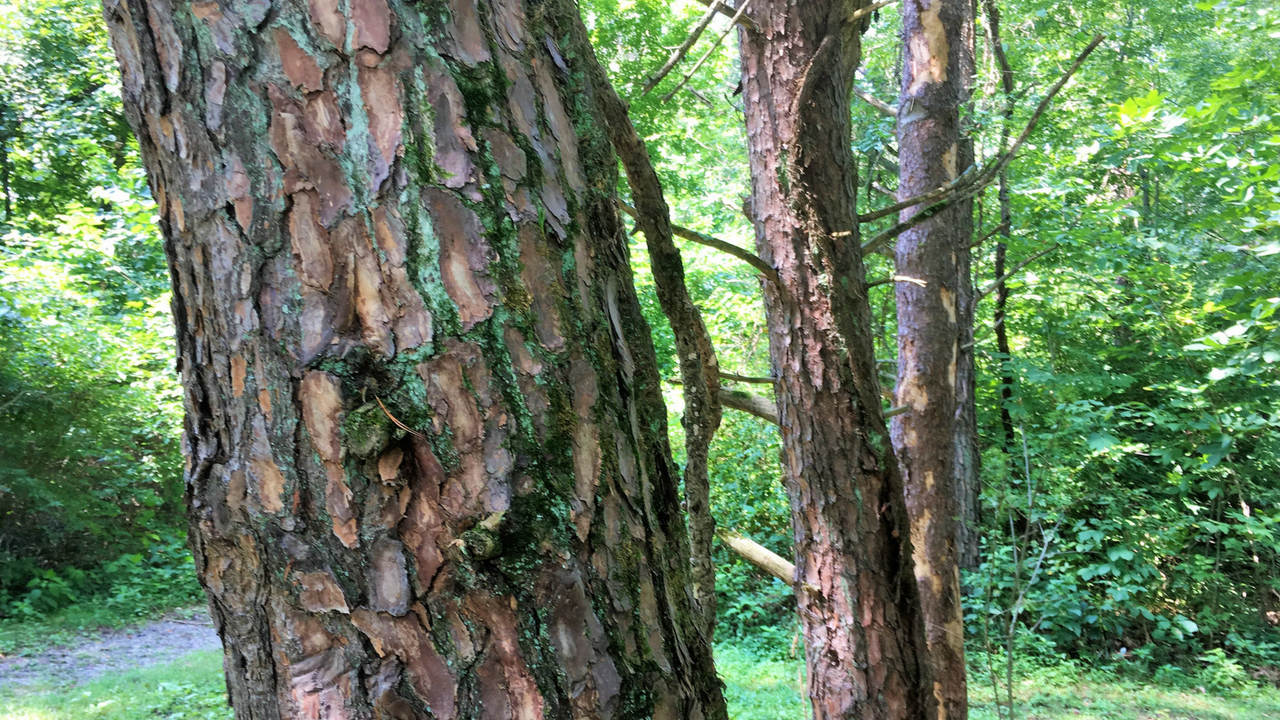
(158, 641)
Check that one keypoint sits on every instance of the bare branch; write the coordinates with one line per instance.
(1002, 226)
(894, 412)
(935, 194)
(1016, 269)
(750, 403)
(716, 243)
(961, 188)
(746, 379)
(683, 50)
(742, 8)
(763, 558)
(863, 12)
(727, 11)
(885, 108)
(897, 278)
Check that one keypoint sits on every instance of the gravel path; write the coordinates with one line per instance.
(151, 643)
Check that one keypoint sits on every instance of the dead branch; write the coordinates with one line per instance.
(716, 243)
(897, 278)
(961, 188)
(746, 379)
(750, 403)
(763, 558)
(885, 108)
(684, 48)
(1016, 269)
(742, 8)
(727, 11)
(1002, 226)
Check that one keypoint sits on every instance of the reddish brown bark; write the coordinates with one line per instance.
(934, 373)
(863, 632)
(429, 474)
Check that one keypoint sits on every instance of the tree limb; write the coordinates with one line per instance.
(727, 11)
(1016, 269)
(935, 194)
(684, 48)
(763, 558)
(750, 403)
(885, 108)
(746, 379)
(897, 278)
(962, 188)
(716, 243)
(742, 8)
(988, 236)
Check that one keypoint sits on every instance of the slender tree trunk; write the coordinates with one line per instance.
(968, 457)
(428, 469)
(1006, 221)
(864, 644)
(934, 372)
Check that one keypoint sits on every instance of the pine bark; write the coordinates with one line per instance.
(699, 368)
(856, 591)
(428, 470)
(935, 374)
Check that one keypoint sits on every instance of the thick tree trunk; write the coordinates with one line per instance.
(699, 369)
(863, 632)
(428, 468)
(934, 372)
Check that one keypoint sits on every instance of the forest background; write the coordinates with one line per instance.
(1133, 523)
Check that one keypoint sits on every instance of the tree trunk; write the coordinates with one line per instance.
(967, 489)
(699, 369)
(428, 469)
(1006, 222)
(863, 632)
(934, 372)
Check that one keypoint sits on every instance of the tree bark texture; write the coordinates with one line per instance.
(864, 644)
(934, 373)
(967, 489)
(699, 368)
(428, 470)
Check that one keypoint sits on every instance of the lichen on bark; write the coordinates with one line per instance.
(428, 472)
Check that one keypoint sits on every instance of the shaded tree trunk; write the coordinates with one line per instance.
(699, 368)
(863, 632)
(428, 469)
(999, 316)
(935, 374)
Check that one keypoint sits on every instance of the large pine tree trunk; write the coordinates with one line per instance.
(428, 468)
(856, 590)
(934, 321)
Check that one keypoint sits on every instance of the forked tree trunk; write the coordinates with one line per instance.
(863, 632)
(934, 321)
(428, 469)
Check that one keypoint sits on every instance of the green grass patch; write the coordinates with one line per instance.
(191, 688)
(758, 689)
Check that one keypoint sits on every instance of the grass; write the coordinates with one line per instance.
(760, 689)
(190, 688)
